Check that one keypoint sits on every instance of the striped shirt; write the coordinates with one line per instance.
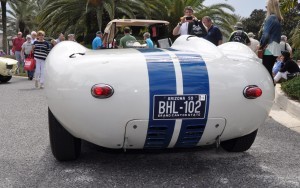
(41, 49)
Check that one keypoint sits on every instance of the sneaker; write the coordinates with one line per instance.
(42, 86)
(36, 83)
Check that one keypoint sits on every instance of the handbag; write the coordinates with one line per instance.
(29, 63)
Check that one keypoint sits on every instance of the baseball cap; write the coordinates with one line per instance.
(98, 32)
(250, 34)
(238, 25)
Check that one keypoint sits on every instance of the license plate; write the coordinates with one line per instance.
(179, 106)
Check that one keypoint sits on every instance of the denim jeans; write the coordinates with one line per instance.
(20, 62)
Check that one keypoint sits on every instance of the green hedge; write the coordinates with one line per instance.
(292, 88)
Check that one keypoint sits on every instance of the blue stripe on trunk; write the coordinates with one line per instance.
(195, 81)
(162, 81)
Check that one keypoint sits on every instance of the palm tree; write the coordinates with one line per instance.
(4, 29)
(64, 15)
(172, 10)
(4, 20)
(24, 14)
(287, 5)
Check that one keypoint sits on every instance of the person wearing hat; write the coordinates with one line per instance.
(25, 52)
(239, 35)
(254, 43)
(289, 67)
(128, 38)
(97, 42)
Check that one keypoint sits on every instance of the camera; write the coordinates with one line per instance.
(189, 18)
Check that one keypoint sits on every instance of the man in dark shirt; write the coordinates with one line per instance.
(239, 35)
(214, 34)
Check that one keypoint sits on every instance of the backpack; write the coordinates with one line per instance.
(238, 36)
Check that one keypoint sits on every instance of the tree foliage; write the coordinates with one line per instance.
(254, 22)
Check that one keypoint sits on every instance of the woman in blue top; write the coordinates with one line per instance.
(271, 33)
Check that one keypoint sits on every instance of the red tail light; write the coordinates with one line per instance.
(252, 92)
(102, 91)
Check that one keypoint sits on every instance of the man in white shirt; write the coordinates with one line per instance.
(182, 27)
(284, 46)
(254, 43)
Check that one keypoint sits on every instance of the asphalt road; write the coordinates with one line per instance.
(26, 159)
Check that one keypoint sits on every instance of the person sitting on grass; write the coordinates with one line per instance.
(289, 67)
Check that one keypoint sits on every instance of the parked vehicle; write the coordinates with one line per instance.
(157, 28)
(8, 67)
(192, 94)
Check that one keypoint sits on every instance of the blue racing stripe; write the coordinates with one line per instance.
(162, 81)
(195, 81)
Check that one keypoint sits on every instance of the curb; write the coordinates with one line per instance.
(290, 106)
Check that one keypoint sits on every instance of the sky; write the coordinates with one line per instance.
(242, 7)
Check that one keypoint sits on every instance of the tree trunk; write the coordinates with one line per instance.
(4, 41)
(99, 16)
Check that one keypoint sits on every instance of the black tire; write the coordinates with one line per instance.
(64, 146)
(239, 144)
(5, 79)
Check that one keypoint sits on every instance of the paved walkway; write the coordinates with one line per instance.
(286, 111)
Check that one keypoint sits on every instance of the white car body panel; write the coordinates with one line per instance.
(110, 122)
(4, 71)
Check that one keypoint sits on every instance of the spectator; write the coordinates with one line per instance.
(52, 43)
(277, 66)
(189, 24)
(97, 42)
(239, 35)
(71, 37)
(284, 46)
(254, 43)
(148, 40)
(2, 53)
(26, 51)
(271, 33)
(289, 67)
(127, 39)
(33, 37)
(41, 49)
(17, 46)
(214, 34)
(60, 38)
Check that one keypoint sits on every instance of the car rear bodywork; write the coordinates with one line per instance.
(147, 83)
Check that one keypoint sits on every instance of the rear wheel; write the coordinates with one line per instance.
(5, 79)
(239, 144)
(64, 146)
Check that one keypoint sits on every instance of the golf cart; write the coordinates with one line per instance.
(157, 28)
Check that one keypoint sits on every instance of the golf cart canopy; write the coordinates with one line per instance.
(111, 28)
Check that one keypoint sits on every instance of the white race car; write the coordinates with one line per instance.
(192, 94)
